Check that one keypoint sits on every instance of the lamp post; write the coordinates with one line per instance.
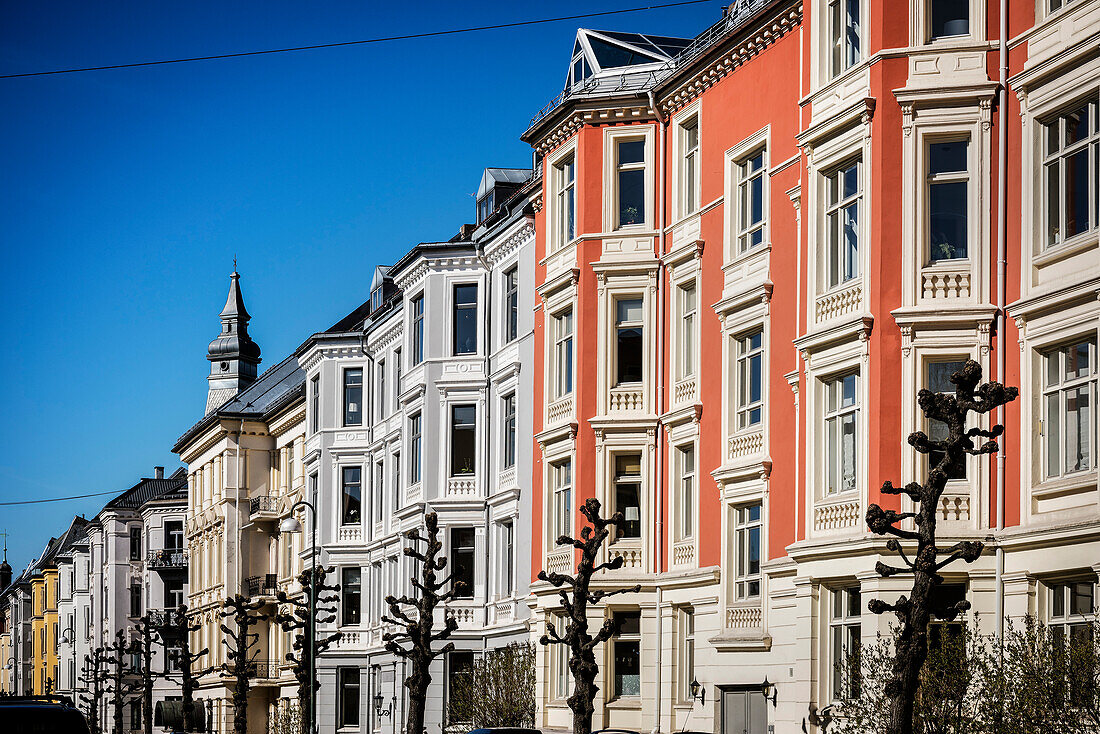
(290, 524)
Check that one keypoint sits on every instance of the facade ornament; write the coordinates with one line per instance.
(1021, 331)
(906, 118)
(906, 339)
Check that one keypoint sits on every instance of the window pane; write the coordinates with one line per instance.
(465, 319)
(947, 157)
(1081, 595)
(1077, 192)
(1052, 429)
(1078, 420)
(1058, 600)
(631, 151)
(1077, 360)
(1054, 206)
(353, 397)
(629, 310)
(350, 584)
(462, 560)
(1077, 125)
(352, 499)
(463, 439)
(851, 9)
(947, 220)
(950, 18)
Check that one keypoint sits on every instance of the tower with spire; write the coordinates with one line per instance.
(5, 569)
(234, 357)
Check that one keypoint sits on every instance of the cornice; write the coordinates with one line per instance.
(502, 248)
(386, 338)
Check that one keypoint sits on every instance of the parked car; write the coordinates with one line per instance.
(615, 731)
(41, 715)
(505, 730)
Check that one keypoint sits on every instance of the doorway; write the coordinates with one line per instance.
(744, 711)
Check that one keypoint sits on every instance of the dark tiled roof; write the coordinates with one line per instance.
(149, 489)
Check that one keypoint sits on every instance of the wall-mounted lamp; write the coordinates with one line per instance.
(698, 692)
(378, 710)
(769, 691)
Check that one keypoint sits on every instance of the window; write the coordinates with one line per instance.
(1058, 4)
(135, 543)
(381, 389)
(947, 200)
(395, 481)
(750, 380)
(686, 462)
(173, 534)
(689, 165)
(630, 182)
(563, 353)
(844, 34)
(563, 681)
(351, 593)
(687, 652)
(352, 498)
(173, 594)
(379, 491)
(628, 491)
(844, 634)
(511, 304)
(462, 561)
(135, 713)
(414, 449)
(580, 69)
(463, 439)
(1069, 397)
(628, 340)
(348, 697)
(1071, 172)
(626, 653)
(841, 433)
(135, 600)
(315, 404)
(507, 559)
(565, 174)
(561, 475)
(396, 379)
(353, 397)
(747, 534)
(943, 635)
(484, 207)
(938, 379)
(688, 307)
(465, 319)
(417, 331)
(844, 191)
(1072, 611)
(750, 200)
(509, 429)
(460, 671)
(949, 18)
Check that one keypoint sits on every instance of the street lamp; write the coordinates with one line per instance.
(68, 636)
(288, 525)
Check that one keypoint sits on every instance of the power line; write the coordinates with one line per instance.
(58, 499)
(338, 44)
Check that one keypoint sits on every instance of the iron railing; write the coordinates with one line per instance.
(265, 585)
(164, 617)
(263, 669)
(167, 558)
(263, 503)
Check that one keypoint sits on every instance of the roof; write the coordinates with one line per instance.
(493, 176)
(150, 489)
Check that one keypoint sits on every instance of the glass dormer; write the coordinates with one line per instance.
(599, 52)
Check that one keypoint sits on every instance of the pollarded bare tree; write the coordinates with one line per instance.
(120, 684)
(178, 627)
(499, 691)
(142, 646)
(92, 677)
(418, 623)
(915, 611)
(239, 644)
(296, 619)
(576, 595)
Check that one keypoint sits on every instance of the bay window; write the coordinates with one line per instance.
(626, 654)
(630, 182)
(628, 493)
(561, 477)
(688, 312)
(844, 641)
(686, 464)
(750, 380)
(1069, 397)
(464, 319)
(948, 184)
(417, 330)
(841, 433)
(563, 353)
(353, 397)
(315, 404)
(746, 531)
(844, 191)
(351, 596)
(509, 429)
(463, 439)
(629, 344)
(462, 562)
(351, 497)
(689, 165)
(381, 401)
(750, 200)
(511, 304)
(938, 380)
(415, 452)
(844, 35)
(565, 195)
(1071, 168)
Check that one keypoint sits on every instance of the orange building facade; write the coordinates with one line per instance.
(753, 248)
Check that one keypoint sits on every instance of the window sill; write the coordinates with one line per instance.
(1080, 243)
(1072, 484)
(625, 703)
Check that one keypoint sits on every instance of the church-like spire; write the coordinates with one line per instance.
(233, 355)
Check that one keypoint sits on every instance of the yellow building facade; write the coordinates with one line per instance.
(44, 630)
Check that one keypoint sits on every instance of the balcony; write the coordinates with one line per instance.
(263, 507)
(264, 670)
(167, 559)
(261, 586)
(163, 617)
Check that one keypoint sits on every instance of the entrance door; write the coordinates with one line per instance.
(744, 712)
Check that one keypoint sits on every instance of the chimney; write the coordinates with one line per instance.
(158, 472)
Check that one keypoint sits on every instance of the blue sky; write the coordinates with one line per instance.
(128, 192)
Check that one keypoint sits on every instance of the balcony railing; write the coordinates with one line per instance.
(163, 617)
(265, 585)
(264, 503)
(264, 669)
(167, 558)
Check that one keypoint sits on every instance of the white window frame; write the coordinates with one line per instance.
(837, 415)
(561, 500)
(1058, 158)
(687, 494)
(627, 638)
(841, 624)
(931, 180)
(735, 157)
(1060, 389)
(509, 448)
(744, 357)
(836, 36)
(560, 337)
(417, 328)
(562, 679)
(559, 187)
(688, 333)
(742, 528)
(687, 178)
(612, 137)
(834, 223)
(687, 653)
(627, 324)
(416, 447)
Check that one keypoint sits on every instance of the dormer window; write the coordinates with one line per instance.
(376, 299)
(484, 207)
